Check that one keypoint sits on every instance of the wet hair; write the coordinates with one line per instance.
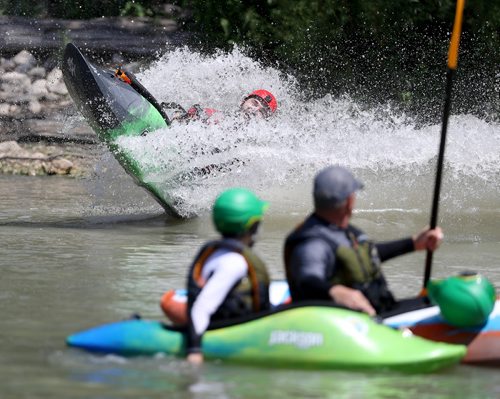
(251, 231)
(328, 205)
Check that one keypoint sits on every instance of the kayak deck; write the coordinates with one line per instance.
(318, 337)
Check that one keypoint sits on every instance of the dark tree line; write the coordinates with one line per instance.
(377, 50)
(78, 9)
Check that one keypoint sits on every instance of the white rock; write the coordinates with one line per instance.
(14, 110)
(8, 65)
(39, 88)
(55, 83)
(15, 93)
(4, 110)
(58, 88)
(54, 76)
(37, 155)
(10, 148)
(37, 72)
(51, 97)
(62, 166)
(15, 78)
(24, 58)
(35, 107)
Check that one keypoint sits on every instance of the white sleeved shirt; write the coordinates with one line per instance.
(222, 271)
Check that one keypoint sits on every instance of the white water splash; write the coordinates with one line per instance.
(278, 158)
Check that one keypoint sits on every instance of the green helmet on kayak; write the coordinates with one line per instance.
(465, 300)
(236, 210)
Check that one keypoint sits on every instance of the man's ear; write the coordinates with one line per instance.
(350, 202)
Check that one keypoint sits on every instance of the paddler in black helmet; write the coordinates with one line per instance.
(327, 258)
(227, 279)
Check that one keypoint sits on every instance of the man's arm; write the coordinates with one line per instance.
(391, 249)
(427, 239)
(309, 263)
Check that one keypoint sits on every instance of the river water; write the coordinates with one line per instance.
(80, 252)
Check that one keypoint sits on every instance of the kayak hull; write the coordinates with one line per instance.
(114, 109)
(319, 337)
(483, 341)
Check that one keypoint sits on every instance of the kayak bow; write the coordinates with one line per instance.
(114, 109)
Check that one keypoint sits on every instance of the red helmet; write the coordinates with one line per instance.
(266, 96)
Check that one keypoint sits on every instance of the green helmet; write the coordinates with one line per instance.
(465, 301)
(236, 210)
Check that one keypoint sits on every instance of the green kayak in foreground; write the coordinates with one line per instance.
(306, 336)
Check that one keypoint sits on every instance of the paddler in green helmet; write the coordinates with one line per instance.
(327, 258)
(227, 279)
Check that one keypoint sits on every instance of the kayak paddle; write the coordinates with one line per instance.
(452, 66)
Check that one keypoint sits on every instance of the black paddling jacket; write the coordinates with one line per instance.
(250, 295)
(319, 255)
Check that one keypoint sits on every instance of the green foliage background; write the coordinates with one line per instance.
(77, 9)
(377, 50)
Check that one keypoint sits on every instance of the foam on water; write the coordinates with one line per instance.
(278, 158)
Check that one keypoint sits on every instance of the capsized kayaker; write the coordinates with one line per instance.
(227, 279)
(327, 258)
(258, 104)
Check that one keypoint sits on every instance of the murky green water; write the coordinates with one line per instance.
(78, 253)
(73, 256)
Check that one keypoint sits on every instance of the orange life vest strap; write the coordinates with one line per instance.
(122, 76)
(198, 266)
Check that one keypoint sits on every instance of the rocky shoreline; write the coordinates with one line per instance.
(32, 100)
(35, 106)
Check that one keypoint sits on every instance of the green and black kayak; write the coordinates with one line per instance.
(307, 336)
(116, 108)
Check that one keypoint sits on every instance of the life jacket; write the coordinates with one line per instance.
(249, 295)
(196, 112)
(357, 263)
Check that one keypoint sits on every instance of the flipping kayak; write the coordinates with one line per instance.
(306, 336)
(115, 108)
